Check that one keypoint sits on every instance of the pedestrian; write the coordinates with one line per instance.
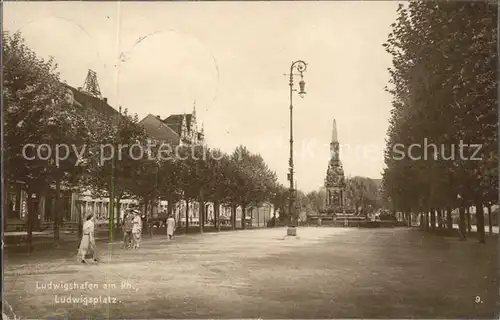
(137, 229)
(8, 311)
(87, 243)
(127, 230)
(170, 227)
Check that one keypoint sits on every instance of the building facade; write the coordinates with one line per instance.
(176, 129)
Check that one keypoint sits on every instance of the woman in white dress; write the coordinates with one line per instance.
(170, 227)
(137, 229)
(88, 241)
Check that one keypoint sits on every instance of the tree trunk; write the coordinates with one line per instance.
(6, 202)
(179, 216)
(258, 218)
(469, 222)
(148, 215)
(151, 209)
(251, 217)
(233, 217)
(202, 210)
(490, 221)
(207, 218)
(111, 212)
(187, 216)
(480, 219)
(217, 215)
(57, 212)
(170, 206)
(243, 216)
(80, 226)
(147, 205)
(461, 223)
(422, 221)
(118, 210)
(30, 218)
(449, 219)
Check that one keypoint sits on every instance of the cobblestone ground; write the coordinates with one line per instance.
(326, 273)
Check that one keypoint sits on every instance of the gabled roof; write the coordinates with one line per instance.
(157, 129)
(100, 105)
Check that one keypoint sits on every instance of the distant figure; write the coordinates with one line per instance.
(87, 244)
(319, 222)
(170, 227)
(150, 225)
(127, 230)
(137, 229)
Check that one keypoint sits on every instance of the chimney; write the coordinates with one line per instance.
(80, 88)
(158, 116)
(105, 100)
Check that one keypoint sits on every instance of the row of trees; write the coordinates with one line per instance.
(38, 112)
(444, 92)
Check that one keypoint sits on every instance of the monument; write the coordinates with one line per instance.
(335, 181)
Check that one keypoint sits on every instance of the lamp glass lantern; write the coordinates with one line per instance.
(302, 87)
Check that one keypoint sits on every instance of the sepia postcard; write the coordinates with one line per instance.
(250, 160)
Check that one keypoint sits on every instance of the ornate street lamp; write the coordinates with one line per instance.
(301, 67)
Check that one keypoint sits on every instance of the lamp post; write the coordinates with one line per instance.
(461, 221)
(112, 193)
(301, 67)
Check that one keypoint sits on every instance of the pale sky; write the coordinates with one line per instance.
(231, 58)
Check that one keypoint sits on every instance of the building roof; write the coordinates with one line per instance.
(175, 122)
(157, 129)
(86, 100)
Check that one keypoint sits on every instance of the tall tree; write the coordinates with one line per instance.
(444, 67)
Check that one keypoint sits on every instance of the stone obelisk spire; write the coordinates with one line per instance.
(334, 144)
(334, 131)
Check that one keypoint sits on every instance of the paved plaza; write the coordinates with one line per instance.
(325, 273)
